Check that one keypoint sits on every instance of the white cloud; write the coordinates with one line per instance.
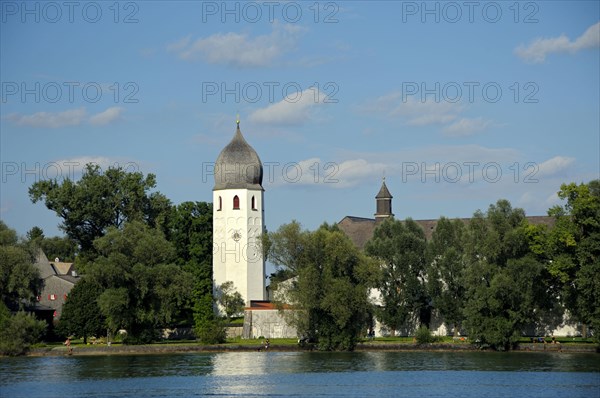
(352, 172)
(537, 51)
(295, 109)
(70, 117)
(348, 173)
(466, 126)
(239, 49)
(555, 165)
(73, 167)
(106, 117)
(53, 120)
(180, 44)
(81, 161)
(416, 112)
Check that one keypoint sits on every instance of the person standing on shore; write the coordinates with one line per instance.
(68, 344)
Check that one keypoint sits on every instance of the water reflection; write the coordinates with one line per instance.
(471, 374)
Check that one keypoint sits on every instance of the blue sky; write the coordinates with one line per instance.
(458, 104)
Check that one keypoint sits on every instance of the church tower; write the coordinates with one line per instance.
(238, 219)
(384, 203)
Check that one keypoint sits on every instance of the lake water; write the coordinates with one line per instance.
(304, 374)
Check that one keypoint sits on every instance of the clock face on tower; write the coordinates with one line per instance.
(237, 235)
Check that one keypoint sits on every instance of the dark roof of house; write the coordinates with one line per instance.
(43, 265)
(360, 229)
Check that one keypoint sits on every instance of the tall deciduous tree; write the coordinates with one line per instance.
(141, 287)
(99, 200)
(399, 247)
(19, 278)
(446, 276)
(505, 283)
(574, 250)
(19, 284)
(191, 234)
(81, 315)
(330, 294)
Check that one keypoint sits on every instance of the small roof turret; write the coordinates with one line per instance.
(384, 193)
(383, 202)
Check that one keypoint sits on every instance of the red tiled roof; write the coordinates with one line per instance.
(264, 305)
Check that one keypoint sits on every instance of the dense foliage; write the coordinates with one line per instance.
(330, 292)
(497, 276)
(18, 331)
(399, 248)
(142, 288)
(81, 315)
(19, 285)
(146, 264)
(99, 200)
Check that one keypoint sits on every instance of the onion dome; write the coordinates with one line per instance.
(238, 165)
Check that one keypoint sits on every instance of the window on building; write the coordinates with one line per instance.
(253, 203)
(220, 204)
(52, 297)
(236, 203)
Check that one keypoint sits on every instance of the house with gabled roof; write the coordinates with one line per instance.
(58, 280)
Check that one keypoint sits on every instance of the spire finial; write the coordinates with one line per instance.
(383, 176)
(237, 120)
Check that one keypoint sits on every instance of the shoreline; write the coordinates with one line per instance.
(158, 349)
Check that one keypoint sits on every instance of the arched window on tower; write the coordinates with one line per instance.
(220, 204)
(253, 203)
(236, 203)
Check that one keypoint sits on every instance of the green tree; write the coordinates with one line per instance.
(330, 294)
(18, 332)
(142, 288)
(81, 314)
(285, 246)
(573, 250)
(8, 236)
(190, 232)
(446, 276)
(35, 233)
(229, 299)
(59, 246)
(506, 288)
(399, 248)
(19, 278)
(19, 284)
(99, 200)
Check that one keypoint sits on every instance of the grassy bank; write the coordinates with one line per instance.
(238, 344)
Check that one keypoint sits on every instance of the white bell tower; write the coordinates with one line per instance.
(238, 220)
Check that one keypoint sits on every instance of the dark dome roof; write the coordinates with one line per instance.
(238, 165)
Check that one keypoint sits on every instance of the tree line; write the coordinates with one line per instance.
(146, 264)
(494, 277)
